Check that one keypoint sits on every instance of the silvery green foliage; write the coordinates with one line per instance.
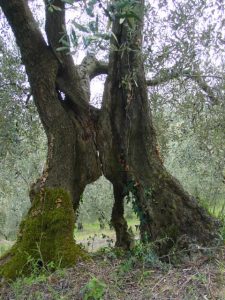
(97, 202)
(22, 142)
(191, 134)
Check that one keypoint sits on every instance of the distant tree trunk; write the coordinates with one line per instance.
(119, 141)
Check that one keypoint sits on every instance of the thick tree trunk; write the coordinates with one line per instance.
(47, 233)
(122, 134)
(130, 154)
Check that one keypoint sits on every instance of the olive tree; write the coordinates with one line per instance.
(117, 140)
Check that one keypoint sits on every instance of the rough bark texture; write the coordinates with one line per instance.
(121, 133)
(72, 160)
(123, 237)
(130, 154)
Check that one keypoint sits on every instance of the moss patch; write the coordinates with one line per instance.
(46, 235)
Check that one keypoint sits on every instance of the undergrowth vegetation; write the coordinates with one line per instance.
(115, 274)
(190, 127)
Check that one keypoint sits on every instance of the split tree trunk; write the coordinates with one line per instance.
(123, 135)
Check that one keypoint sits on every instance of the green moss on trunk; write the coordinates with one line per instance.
(46, 235)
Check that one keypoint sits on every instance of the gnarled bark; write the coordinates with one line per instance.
(46, 234)
(123, 237)
(130, 153)
(83, 142)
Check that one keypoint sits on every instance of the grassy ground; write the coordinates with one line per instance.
(90, 229)
(110, 275)
(114, 275)
(92, 237)
(5, 246)
(216, 208)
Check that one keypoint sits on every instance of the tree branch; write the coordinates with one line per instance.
(69, 79)
(41, 65)
(161, 79)
(89, 68)
(171, 75)
(45, 71)
(101, 68)
(204, 87)
(82, 74)
(28, 36)
(93, 67)
(55, 28)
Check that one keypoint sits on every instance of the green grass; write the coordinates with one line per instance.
(5, 246)
(215, 207)
(218, 209)
(90, 229)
